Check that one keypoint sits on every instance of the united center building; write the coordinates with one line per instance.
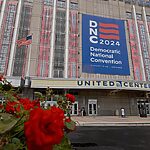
(98, 50)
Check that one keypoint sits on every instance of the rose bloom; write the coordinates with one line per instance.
(68, 120)
(12, 107)
(70, 97)
(44, 128)
(28, 104)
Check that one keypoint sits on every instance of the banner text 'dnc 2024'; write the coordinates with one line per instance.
(104, 49)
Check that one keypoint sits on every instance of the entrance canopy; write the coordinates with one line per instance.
(89, 84)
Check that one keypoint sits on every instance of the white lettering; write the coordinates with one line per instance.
(92, 39)
(93, 31)
(93, 24)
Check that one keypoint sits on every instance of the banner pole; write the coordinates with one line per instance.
(28, 66)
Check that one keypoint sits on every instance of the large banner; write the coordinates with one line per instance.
(104, 49)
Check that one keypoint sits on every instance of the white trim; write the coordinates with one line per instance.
(147, 31)
(67, 41)
(50, 75)
(2, 13)
(14, 39)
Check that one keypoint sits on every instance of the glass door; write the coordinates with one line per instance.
(74, 109)
(143, 107)
(92, 107)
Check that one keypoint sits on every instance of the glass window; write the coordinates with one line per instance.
(59, 43)
(48, 2)
(148, 18)
(129, 15)
(139, 16)
(58, 73)
(58, 64)
(74, 6)
(128, 1)
(20, 55)
(61, 74)
(61, 4)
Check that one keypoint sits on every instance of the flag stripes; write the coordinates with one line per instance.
(24, 41)
(109, 31)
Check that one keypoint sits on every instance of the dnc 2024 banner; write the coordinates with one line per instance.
(104, 49)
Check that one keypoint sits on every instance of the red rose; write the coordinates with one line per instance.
(67, 120)
(28, 104)
(70, 97)
(36, 103)
(12, 107)
(44, 128)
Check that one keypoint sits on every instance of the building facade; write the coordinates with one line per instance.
(98, 50)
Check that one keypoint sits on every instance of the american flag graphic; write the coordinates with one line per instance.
(109, 31)
(24, 41)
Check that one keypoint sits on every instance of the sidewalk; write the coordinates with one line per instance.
(111, 121)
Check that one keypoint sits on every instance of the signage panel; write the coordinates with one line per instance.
(90, 84)
(104, 49)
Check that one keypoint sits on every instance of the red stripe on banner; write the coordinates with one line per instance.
(108, 31)
(109, 25)
(108, 37)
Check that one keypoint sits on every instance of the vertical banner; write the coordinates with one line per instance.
(135, 51)
(104, 49)
(73, 45)
(6, 34)
(43, 60)
(144, 48)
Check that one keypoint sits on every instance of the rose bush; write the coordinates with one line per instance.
(70, 97)
(24, 124)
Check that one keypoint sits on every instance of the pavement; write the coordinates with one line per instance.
(111, 121)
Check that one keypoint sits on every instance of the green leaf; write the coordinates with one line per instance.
(7, 87)
(7, 123)
(10, 146)
(64, 145)
(70, 125)
(15, 141)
